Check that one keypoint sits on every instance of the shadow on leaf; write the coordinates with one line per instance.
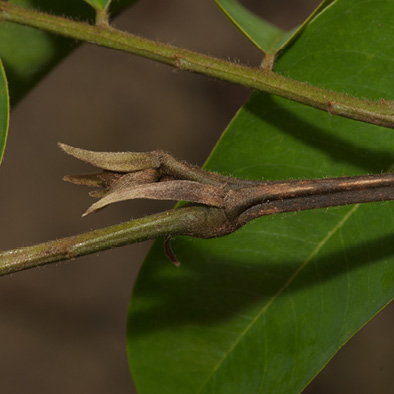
(339, 148)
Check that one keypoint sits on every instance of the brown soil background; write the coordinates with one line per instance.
(62, 327)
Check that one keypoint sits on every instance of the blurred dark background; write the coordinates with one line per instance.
(62, 327)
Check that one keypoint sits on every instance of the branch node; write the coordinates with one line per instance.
(102, 18)
(331, 107)
(70, 255)
(178, 62)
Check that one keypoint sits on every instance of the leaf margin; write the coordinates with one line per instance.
(5, 110)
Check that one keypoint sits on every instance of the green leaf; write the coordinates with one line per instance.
(4, 110)
(265, 36)
(264, 309)
(287, 39)
(98, 4)
(29, 54)
(260, 32)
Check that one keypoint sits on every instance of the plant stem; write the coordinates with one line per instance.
(190, 220)
(335, 191)
(301, 195)
(240, 205)
(375, 112)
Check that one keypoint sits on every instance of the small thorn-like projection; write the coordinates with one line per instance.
(170, 253)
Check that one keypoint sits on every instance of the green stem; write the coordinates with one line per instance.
(375, 112)
(102, 17)
(190, 220)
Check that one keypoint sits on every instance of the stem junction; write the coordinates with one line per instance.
(217, 205)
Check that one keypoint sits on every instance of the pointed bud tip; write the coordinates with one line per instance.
(70, 150)
(88, 212)
(78, 153)
(66, 148)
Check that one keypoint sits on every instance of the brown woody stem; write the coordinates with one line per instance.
(297, 195)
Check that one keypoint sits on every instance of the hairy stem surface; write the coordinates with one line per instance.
(186, 221)
(375, 112)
